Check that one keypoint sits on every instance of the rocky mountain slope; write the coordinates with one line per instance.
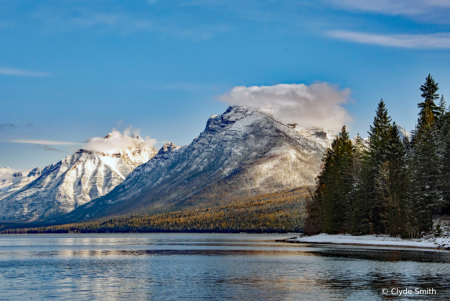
(241, 153)
(13, 180)
(72, 182)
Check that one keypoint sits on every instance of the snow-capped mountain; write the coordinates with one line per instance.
(403, 133)
(242, 152)
(12, 180)
(72, 182)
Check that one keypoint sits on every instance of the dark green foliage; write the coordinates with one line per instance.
(376, 157)
(443, 141)
(314, 220)
(392, 185)
(335, 185)
(428, 109)
(393, 176)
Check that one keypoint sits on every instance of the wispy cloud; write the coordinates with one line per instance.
(118, 19)
(420, 41)
(42, 142)
(22, 72)
(394, 7)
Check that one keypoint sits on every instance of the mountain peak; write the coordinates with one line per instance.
(244, 151)
(35, 172)
(168, 147)
(75, 180)
(403, 133)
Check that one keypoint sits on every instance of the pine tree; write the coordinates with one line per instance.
(346, 160)
(315, 220)
(360, 209)
(426, 157)
(444, 158)
(397, 184)
(334, 188)
(376, 156)
(442, 106)
(428, 109)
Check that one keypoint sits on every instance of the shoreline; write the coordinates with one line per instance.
(439, 243)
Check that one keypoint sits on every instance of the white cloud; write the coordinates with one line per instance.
(428, 41)
(21, 72)
(317, 105)
(112, 143)
(42, 142)
(115, 141)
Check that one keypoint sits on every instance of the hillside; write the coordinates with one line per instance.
(275, 212)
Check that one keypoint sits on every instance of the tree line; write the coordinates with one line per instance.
(277, 212)
(386, 184)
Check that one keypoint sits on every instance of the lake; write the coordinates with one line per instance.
(212, 266)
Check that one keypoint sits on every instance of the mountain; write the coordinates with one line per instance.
(241, 153)
(13, 180)
(403, 133)
(72, 182)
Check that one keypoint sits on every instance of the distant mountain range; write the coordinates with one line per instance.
(242, 153)
(13, 180)
(61, 187)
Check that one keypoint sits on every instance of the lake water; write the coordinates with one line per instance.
(211, 266)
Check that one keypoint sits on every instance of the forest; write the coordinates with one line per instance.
(278, 212)
(385, 184)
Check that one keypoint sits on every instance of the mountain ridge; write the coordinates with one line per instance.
(71, 182)
(243, 142)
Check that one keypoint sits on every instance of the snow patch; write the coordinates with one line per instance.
(374, 240)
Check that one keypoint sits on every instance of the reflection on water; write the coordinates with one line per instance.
(218, 266)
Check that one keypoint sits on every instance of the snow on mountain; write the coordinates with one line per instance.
(244, 151)
(403, 133)
(12, 180)
(72, 182)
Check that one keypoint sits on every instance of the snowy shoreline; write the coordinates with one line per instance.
(374, 240)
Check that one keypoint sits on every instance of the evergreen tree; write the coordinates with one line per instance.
(387, 185)
(315, 220)
(442, 106)
(361, 205)
(428, 109)
(376, 156)
(426, 167)
(426, 156)
(444, 158)
(334, 189)
(396, 184)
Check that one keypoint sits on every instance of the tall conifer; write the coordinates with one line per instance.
(376, 156)
(429, 111)
(335, 185)
(396, 183)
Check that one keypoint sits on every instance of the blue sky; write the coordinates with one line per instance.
(73, 70)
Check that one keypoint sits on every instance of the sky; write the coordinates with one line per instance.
(74, 70)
